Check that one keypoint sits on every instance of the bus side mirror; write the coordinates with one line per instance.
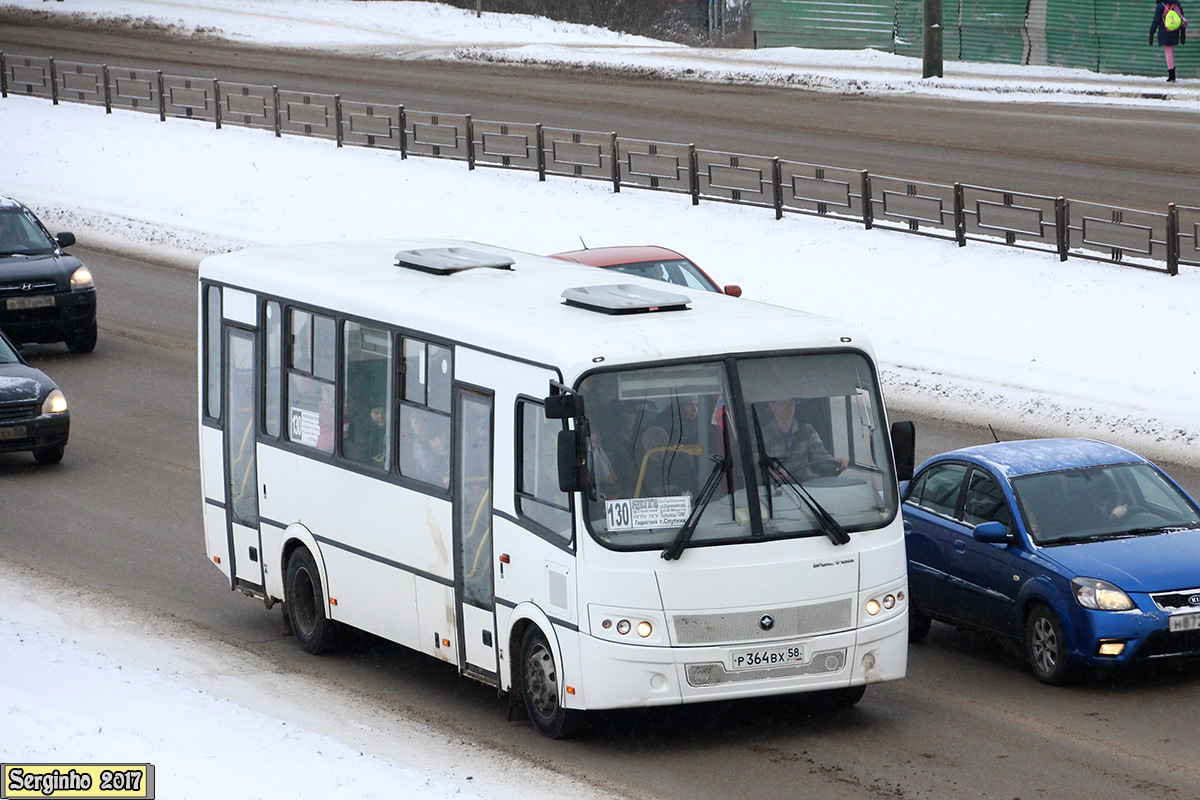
(570, 462)
(904, 448)
(563, 406)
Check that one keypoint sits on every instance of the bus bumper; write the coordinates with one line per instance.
(628, 676)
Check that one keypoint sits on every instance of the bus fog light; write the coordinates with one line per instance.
(872, 607)
(623, 627)
(606, 624)
(644, 629)
(889, 601)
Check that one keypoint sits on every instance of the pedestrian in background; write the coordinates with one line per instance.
(1171, 26)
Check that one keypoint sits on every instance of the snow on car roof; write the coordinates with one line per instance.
(1030, 456)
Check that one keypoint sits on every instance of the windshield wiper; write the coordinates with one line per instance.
(675, 548)
(836, 533)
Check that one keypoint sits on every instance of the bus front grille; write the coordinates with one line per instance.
(730, 627)
(715, 674)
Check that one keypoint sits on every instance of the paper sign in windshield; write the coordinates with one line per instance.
(647, 512)
(306, 426)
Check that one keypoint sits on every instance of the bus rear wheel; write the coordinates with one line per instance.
(540, 685)
(315, 632)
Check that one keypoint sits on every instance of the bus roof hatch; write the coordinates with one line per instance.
(624, 298)
(450, 260)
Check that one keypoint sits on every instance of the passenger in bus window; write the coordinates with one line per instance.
(797, 443)
(425, 447)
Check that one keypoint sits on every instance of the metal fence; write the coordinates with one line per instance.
(1067, 228)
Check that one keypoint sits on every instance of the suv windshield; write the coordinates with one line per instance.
(799, 450)
(20, 234)
(1092, 503)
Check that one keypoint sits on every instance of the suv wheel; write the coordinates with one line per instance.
(83, 341)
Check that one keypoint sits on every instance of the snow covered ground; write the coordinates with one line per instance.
(987, 333)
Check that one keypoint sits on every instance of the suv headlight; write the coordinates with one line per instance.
(82, 279)
(55, 402)
(1100, 595)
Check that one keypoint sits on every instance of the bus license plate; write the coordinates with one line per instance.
(1184, 622)
(39, 301)
(13, 432)
(769, 657)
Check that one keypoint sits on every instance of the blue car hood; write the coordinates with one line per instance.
(1151, 563)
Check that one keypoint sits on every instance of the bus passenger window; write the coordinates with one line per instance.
(367, 398)
(425, 412)
(273, 368)
(311, 399)
(538, 495)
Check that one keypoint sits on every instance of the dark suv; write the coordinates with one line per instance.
(45, 294)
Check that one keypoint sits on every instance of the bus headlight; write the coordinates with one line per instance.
(873, 606)
(55, 402)
(628, 626)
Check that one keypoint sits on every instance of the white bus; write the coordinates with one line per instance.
(588, 494)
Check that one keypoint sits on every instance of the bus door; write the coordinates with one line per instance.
(241, 469)
(475, 591)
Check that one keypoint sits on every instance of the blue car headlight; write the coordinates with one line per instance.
(1100, 595)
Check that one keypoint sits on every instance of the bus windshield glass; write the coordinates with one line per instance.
(800, 450)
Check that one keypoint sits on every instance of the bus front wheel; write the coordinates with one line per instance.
(540, 684)
(306, 604)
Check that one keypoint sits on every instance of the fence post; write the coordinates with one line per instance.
(470, 143)
(616, 165)
(217, 103)
(1060, 225)
(960, 216)
(53, 83)
(868, 214)
(1172, 239)
(275, 106)
(540, 140)
(3, 76)
(777, 186)
(403, 134)
(694, 174)
(107, 91)
(162, 99)
(337, 118)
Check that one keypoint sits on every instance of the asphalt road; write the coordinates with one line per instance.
(122, 513)
(1112, 155)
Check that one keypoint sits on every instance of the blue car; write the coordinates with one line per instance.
(1084, 552)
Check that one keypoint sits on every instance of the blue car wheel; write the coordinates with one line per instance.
(1046, 647)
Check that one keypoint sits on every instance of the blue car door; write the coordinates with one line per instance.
(984, 576)
(930, 529)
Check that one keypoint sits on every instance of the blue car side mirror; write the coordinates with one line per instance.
(991, 532)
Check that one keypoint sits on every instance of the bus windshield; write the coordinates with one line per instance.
(798, 450)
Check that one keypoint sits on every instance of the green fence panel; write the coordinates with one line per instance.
(993, 31)
(824, 24)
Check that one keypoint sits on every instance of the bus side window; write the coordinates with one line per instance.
(425, 412)
(367, 396)
(272, 367)
(538, 495)
(311, 399)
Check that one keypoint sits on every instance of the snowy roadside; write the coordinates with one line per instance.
(404, 29)
(91, 678)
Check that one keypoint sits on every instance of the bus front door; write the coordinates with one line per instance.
(241, 469)
(473, 536)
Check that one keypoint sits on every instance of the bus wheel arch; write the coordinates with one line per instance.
(306, 602)
(543, 687)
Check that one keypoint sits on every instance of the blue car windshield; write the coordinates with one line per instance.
(1104, 502)
(7, 355)
(20, 234)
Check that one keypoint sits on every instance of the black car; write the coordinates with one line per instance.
(33, 410)
(46, 295)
